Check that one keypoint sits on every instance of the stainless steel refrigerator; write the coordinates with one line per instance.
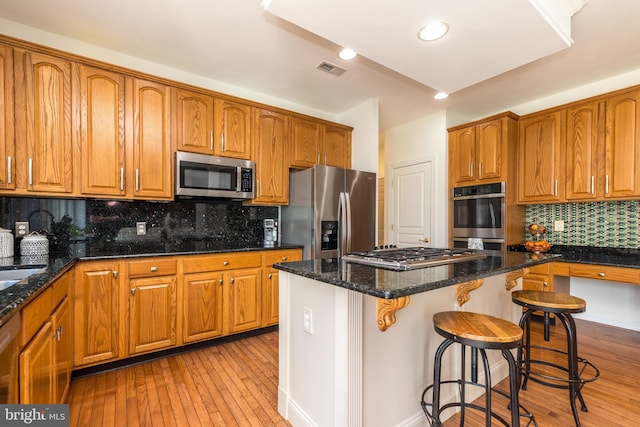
(331, 211)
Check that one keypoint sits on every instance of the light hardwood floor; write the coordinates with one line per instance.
(235, 384)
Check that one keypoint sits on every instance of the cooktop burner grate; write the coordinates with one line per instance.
(410, 258)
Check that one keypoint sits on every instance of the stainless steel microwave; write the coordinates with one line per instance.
(202, 175)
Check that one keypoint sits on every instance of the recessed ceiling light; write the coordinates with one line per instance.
(441, 95)
(265, 4)
(347, 54)
(433, 31)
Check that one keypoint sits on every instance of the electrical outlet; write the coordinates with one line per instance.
(141, 228)
(307, 321)
(558, 225)
(22, 229)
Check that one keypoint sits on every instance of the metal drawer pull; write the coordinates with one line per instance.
(601, 274)
(225, 263)
(269, 276)
(284, 258)
(233, 280)
(545, 284)
(153, 269)
(220, 282)
(133, 292)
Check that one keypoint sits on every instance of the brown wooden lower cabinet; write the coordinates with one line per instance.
(129, 307)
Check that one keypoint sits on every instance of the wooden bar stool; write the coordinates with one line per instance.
(562, 306)
(480, 332)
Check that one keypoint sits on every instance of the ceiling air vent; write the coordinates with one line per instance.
(330, 68)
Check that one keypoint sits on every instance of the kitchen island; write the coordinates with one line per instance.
(357, 342)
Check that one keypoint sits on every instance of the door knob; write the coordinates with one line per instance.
(425, 240)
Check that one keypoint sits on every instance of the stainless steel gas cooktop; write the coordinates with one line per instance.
(411, 258)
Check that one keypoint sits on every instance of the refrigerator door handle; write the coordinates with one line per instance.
(342, 223)
(347, 226)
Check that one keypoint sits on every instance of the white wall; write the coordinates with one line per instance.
(421, 139)
(364, 140)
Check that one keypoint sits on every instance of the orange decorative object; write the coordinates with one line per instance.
(537, 247)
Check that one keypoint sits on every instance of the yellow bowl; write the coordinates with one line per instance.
(539, 246)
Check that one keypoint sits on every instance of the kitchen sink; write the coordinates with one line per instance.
(10, 277)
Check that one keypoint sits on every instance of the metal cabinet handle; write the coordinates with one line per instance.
(220, 282)
(480, 169)
(545, 284)
(133, 292)
(222, 139)
(137, 179)
(211, 140)
(470, 168)
(606, 184)
(115, 274)
(555, 188)
(121, 179)
(284, 258)
(225, 263)
(233, 280)
(269, 276)
(9, 174)
(153, 269)
(601, 274)
(30, 171)
(593, 184)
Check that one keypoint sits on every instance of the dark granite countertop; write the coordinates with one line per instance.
(21, 293)
(616, 257)
(390, 284)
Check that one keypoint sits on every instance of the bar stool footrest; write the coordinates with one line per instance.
(427, 405)
(559, 382)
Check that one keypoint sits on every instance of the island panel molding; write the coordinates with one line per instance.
(463, 290)
(386, 310)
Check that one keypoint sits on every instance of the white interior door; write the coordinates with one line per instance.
(411, 212)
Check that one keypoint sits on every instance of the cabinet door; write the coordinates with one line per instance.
(336, 146)
(62, 332)
(152, 314)
(96, 321)
(152, 165)
(37, 368)
(305, 142)
(489, 151)
(244, 300)
(622, 146)
(462, 149)
(202, 306)
(582, 155)
(540, 153)
(7, 142)
(101, 97)
(45, 125)
(270, 147)
(270, 293)
(232, 129)
(193, 121)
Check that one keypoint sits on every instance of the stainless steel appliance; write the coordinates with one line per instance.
(201, 175)
(479, 212)
(331, 211)
(410, 258)
(270, 232)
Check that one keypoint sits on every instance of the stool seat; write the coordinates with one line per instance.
(477, 330)
(551, 302)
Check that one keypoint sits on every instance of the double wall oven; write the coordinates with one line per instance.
(479, 212)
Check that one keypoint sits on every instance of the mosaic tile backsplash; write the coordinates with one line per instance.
(107, 222)
(605, 224)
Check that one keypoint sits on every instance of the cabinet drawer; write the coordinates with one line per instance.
(226, 261)
(561, 268)
(273, 257)
(615, 274)
(539, 269)
(152, 267)
(60, 289)
(35, 314)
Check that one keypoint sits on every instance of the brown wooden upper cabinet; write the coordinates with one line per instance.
(44, 162)
(583, 148)
(313, 142)
(622, 146)
(100, 95)
(7, 142)
(193, 121)
(270, 152)
(232, 129)
(478, 153)
(540, 152)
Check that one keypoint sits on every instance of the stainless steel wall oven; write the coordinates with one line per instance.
(479, 211)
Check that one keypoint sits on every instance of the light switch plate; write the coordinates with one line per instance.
(558, 225)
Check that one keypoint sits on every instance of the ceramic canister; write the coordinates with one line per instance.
(6, 243)
(34, 245)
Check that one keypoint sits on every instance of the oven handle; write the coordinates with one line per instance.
(480, 196)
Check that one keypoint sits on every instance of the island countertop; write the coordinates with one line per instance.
(389, 284)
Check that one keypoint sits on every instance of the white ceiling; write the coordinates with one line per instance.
(239, 44)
